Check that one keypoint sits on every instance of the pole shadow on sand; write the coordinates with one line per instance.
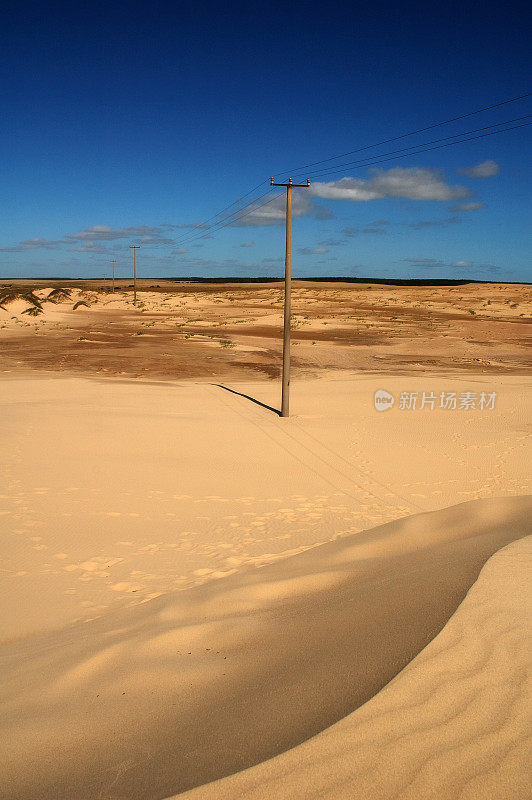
(248, 397)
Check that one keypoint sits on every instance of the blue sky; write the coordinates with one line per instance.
(133, 123)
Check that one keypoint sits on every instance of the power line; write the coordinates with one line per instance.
(410, 133)
(242, 213)
(192, 237)
(199, 225)
(238, 200)
(423, 144)
(251, 208)
(429, 149)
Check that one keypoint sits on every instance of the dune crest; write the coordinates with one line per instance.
(453, 724)
(195, 685)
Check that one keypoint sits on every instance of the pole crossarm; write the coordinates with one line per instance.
(295, 185)
(285, 397)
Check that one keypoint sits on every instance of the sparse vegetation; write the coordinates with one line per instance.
(57, 295)
(10, 293)
(226, 343)
(33, 311)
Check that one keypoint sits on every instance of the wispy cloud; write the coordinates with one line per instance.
(486, 169)
(427, 263)
(312, 251)
(93, 248)
(435, 223)
(247, 244)
(411, 183)
(467, 206)
(273, 212)
(31, 244)
(140, 233)
(85, 240)
(202, 226)
(333, 243)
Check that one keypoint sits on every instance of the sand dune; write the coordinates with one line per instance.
(454, 724)
(200, 597)
(150, 701)
(113, 492)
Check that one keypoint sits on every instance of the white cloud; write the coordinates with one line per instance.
(247, 244)
(273, 212)
(463, 264)
(36, 243)
(435, 223)
(468, 206)
(31, 244)
(332, 242)
(413, 183)
(197, 225)
(146, 234)
(88, 247)
(312, 251)
(427, 263)
(486, 169)
(355, 189)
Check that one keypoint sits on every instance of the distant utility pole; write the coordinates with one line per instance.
(113, 263)
(285, 400)
(134, 247)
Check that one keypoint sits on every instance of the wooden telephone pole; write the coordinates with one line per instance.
(285, 399)
(113, 262)
(134, 247)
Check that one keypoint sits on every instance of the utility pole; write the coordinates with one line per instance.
(134, 247)
(113, 262)
(285, 399)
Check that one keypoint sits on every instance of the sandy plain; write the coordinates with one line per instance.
(200, 597)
